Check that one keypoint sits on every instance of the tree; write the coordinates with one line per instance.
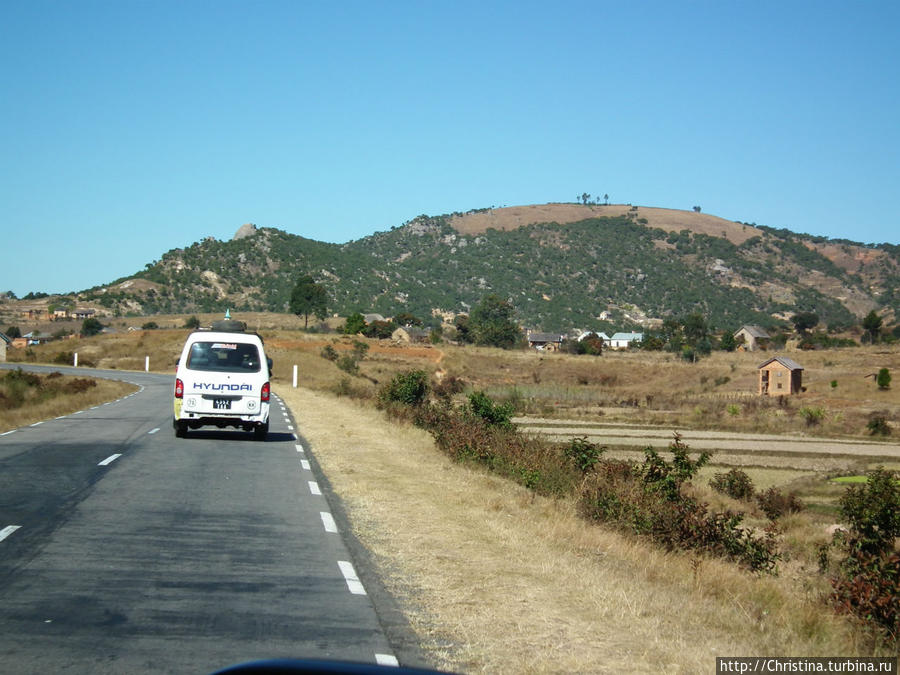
(727, 343)
(355, 323)
(872, 325)
(883, 379)
(803, 321)
(407, 319)
(307, 298)
(463, 329)
(695, 328)
(585, 197)
(193, 323)
(491, 323)
(697, 209)
(606, 200)
(13, 332)
(91, 327)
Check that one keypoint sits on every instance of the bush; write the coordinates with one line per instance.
(409, 388)
(583, 453)
(735, 483)
(494, 414)
(650, 500)
(867, 581)
(878, 425)
(329, 353)
(813, 416)
(873, 512)
(775, 504)
(883, 379)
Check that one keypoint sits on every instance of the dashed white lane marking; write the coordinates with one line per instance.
(8, 530)
(109, 460)
(353, 582)
(290, 426)
(314, 488)
(305, 464)
(298, 446)
(328, 521)
(153, 431)
(387, 660)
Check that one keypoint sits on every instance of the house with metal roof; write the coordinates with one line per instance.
(780, 376)
(750, 338)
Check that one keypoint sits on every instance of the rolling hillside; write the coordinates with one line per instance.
(562, 265)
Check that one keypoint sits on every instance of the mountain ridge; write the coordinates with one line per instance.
(562, 266)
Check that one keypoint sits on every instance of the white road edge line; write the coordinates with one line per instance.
(386, 660)
(109, 460)
(8, 530)
(36, 424)
(298, 446)
(353, 582)
(328, 522)
(305, 464)
(314, 488)
(7, 433)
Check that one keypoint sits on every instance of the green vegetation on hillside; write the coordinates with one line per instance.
(557, 277)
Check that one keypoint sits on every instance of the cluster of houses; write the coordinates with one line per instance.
(748, 338)
(551, 342)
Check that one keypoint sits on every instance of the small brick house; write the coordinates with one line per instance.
(780, 376)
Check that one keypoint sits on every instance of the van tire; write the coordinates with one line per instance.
(181, 428)
(261, 431)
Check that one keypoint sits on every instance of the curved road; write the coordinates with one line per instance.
(126, 550)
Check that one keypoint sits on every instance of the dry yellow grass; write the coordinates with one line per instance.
(495, 579)
(64, 404)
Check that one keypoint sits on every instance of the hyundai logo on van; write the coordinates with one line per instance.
(209, 386)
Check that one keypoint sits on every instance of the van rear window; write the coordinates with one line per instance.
(225, 357)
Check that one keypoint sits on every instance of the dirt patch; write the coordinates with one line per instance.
(670, 220)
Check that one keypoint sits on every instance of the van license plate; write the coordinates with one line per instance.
(221, 404)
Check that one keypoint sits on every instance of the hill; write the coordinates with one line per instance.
(562, 265)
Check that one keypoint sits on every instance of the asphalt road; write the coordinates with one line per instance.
(126, 550)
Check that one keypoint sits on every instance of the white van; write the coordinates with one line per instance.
(222, 379)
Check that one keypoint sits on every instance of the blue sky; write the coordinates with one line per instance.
(128, 128)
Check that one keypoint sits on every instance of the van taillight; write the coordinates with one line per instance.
(179, 388)
(265, 393)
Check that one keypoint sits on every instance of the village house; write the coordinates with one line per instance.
(624, 340)
(410, 334)
(751, 338)
(549, 342)
(780, 376)
(603, 336)
(4, 343)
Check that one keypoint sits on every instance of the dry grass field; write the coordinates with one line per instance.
(497, 580)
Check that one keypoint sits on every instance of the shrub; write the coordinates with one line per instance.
(409, 388)
(583, 453)
(649, 500)
(735, 483)
(878, 425)
(867, 581)
(329, 353)
(348, 364)
(873, 512)
(493, 414)
(813, 416)
(775, 504)
(448, 386)
(883, 379)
